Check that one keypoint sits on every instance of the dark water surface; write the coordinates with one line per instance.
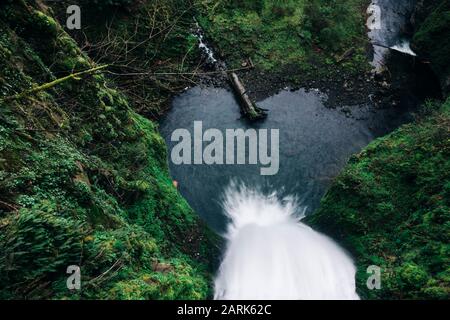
(315, 143)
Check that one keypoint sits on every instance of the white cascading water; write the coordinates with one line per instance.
(272, 255)
(404, 47)
(202, 45)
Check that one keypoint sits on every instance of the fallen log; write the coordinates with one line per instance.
(248, 108)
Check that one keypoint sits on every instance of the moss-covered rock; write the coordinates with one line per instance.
(84, 180)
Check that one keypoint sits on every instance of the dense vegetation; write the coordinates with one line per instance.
(83, 173)
(84, 179)
(292, 32)
(390, 207)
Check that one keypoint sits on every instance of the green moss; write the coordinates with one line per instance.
(44, 23)
(275, 34)
(177, 282)
(84, 181)
(412, 276)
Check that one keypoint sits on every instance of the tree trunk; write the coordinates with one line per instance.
(248, 108)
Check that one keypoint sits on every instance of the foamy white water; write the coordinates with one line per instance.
(272, 255)
(404, 47)
(202, 45)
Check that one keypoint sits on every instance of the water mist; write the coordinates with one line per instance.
(272, 255)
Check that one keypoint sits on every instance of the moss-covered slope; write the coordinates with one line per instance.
(391, 208)
(84, 180)
(292, 32)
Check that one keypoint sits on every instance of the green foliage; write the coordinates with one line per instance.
(38, 243)
(391, 207)
(156, 37)
(266, 31)
(177, 282)
(84, 181)
(337, 24)
(277, 33)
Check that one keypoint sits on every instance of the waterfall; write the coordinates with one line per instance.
(404, 47)
(202, 45)
(272, 255)
(387, 23)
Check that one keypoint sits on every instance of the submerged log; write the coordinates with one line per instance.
(248, 108)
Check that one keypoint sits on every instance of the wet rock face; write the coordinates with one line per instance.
(395, 24)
